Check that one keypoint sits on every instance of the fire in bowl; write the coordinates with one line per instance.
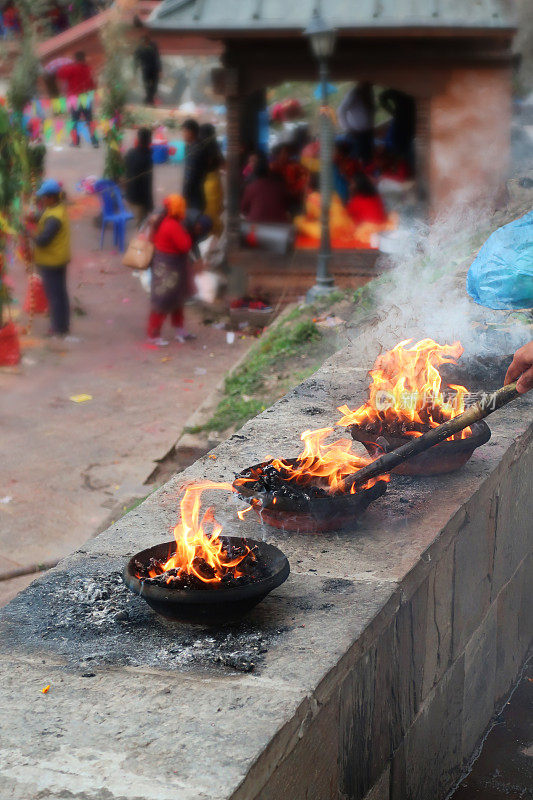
(307, 494)
(263, 568)
(447, 456)
(308, 508)
(406, 399)
(202, 576)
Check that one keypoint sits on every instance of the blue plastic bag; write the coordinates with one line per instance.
(501, 276)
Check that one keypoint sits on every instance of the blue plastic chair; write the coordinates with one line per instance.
(114, 212)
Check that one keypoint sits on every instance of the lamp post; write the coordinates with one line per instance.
(322, 40)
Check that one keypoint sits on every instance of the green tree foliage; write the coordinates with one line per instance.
(13, 169)
(25, 71)
(21, 162)
(114, 40)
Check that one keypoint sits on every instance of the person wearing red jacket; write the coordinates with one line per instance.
(10, 19)
(77, 79)
(171, 283)
(365, 204)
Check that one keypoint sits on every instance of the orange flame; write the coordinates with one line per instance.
(242, 513)
(196, 546)
(407, 388)
(329, 463)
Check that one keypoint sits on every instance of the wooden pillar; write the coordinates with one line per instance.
(242, 114)
(227, 81)
(422, 149)
(253, 103)
(233, 133)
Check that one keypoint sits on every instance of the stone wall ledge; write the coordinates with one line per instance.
(371, 673)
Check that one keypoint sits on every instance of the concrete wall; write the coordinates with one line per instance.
(408, 713)
(369, 675)
(469, 138)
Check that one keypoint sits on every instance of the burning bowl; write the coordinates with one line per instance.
(217, 603)
(304, 508)
(407, 396)
(447, 456)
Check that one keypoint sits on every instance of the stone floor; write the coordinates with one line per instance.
(67, 469)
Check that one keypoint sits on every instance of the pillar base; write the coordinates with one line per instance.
(319, 290)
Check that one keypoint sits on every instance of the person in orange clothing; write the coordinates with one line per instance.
(308, 224)
(365, 204)
(171, 284)
(352, 226)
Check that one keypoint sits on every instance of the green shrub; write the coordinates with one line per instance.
(239, 403)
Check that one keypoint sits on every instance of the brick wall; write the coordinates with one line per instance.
(469, 138)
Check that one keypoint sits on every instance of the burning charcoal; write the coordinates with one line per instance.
(272, 481)
(257, 564)
(249, 569)
(206, 570)
(416, 399)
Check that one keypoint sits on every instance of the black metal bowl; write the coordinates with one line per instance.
(216, 604)
(444, 457)
(309, 514)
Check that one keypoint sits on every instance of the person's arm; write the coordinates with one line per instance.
(194, 174)
(342, 111)
(181, 238)
(51, 228)
(521, 369)
(149, 184)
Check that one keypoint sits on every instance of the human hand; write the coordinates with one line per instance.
(521, 369)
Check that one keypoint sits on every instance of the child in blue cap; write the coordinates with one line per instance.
(52, 254)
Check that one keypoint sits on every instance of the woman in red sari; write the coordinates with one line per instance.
(171, 283)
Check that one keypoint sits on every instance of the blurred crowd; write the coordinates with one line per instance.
(59, 16)
(282, 186)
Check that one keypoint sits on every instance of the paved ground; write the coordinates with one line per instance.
(66, 468)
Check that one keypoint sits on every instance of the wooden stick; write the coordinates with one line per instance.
(479, 410)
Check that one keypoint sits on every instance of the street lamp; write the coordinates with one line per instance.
(322, 40)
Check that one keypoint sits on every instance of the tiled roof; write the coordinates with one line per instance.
(225, 16)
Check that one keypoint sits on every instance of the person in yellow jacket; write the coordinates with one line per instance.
(52, 254)
(213, 190)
